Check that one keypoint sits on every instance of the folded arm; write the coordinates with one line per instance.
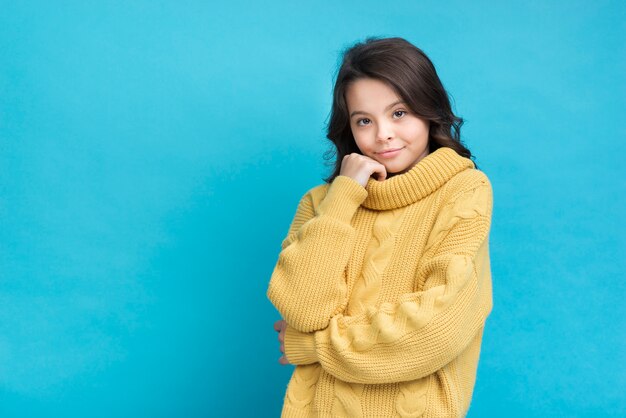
(423, 331)
(308, 284)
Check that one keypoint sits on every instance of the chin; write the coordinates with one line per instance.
(395, 169)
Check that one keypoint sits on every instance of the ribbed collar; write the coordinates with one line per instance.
(428, 175)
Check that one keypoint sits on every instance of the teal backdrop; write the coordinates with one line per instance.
(152, 155)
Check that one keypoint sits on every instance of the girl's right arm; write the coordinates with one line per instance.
(308, 284)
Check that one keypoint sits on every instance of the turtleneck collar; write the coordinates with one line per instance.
(429, 174)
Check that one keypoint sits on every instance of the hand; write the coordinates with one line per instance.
(360, 168)
(280, 326)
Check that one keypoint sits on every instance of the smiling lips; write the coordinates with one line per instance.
(390, 153)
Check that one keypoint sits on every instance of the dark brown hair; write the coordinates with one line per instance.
(411, 74)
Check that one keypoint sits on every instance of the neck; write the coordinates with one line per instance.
(405, 188)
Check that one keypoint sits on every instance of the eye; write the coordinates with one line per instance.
(399, 111)
(358, 122)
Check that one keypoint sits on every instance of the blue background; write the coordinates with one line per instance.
(152, 155)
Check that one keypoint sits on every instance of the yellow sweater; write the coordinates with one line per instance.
(385, 290)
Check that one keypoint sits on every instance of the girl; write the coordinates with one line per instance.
(383, 280)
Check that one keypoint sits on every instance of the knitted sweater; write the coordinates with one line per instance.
(385, 290)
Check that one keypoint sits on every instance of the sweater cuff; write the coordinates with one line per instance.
(299, 346)
(343, 198)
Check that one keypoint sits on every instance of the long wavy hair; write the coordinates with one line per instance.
(412, 75)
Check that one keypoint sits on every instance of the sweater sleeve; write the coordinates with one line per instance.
(308, 285)
(422, 331)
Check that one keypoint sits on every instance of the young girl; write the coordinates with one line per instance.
(383, 280)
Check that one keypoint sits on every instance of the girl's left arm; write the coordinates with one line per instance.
(423, 331)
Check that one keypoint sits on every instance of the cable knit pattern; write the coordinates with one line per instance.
(386, 290)
(365, 291)
(300, 393)
(411, 400)
(347, 402)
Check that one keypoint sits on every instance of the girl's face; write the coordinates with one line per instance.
(381, 121)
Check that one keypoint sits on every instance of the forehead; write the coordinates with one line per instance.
(370, 93)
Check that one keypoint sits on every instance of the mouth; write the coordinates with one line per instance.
(389, 152)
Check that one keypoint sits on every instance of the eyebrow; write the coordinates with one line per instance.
(365, 113)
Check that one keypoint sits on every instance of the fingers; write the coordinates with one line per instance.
(280, 326)
(381, 172)
(361, 167)
(283, 359)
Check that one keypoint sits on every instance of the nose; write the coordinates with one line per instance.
(385, 132)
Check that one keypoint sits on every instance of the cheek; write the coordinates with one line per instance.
(360, 140)
(425, 128)
(419, 131)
